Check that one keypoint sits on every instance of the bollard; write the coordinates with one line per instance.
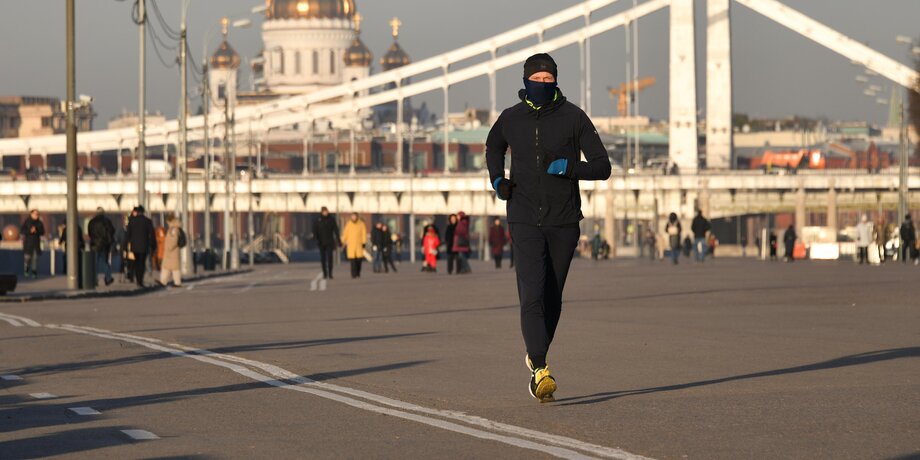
(87, 275)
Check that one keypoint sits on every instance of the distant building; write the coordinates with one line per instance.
(30, 116)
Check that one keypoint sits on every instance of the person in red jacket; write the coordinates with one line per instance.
(497, 241)
(430, 246)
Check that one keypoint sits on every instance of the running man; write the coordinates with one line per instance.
(547, 136)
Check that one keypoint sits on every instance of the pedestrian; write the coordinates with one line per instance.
(789, 241)
(354, 237)
(32, 230)
(908, 238)
(118, 249)
(326, 234)
(101, 239)
(687, 246)
(510, 248)
(397, 247)
(497, 241)
(449, 243)
(377, 247)
(157, 259)
(773, 246)
(387, 251)
(673, 230)
(650, 241)
(430, 245)
(141, 242)
(174, 240)
(62, 242)
(546, 135)
(700, 227)
(462, 243)
(711, 243)
(863, 239)
(596, 243)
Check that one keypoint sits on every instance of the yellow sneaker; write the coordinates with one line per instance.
(542, 385)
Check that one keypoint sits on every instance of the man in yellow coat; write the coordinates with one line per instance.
(354, 237)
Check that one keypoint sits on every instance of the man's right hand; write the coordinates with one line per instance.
(503, 188)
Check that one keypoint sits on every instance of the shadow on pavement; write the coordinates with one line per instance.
(427, 313)
(64, 442)
(323, 376)
(308, 343)
(845, 361)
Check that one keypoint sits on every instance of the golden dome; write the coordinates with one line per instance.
(225, 57)
(357, 55)
(395, 56)
(309, 9)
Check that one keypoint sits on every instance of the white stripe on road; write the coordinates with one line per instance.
(12, 321)
(10, 377)
(85, 411)
(27, 321)
(559, 446)
(42, 395)
(315, 281)
(250, 286)
(140, 435)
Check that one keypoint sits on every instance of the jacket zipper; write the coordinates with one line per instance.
(539, 175)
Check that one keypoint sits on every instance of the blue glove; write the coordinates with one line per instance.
(502, 188)
(558, 167)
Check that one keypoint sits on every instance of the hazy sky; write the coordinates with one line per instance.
(776, 72)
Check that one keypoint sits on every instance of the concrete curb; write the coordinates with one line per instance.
(79, 295)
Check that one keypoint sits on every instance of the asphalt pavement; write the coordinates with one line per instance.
(727, 359)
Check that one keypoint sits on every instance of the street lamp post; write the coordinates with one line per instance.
(142, 106)
(72, 226)
(186, 252)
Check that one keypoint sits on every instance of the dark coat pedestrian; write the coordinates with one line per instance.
(673, 230)
(462, 243)
(141, 242)
(908, 238)
(326, 234)
(32, 230)
(789, 241)
(101, 233)
(497, 242)
(449, 243)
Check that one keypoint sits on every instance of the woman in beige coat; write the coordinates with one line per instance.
(354, 237)
(171, 248)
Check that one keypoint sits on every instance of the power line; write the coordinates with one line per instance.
(156, 49)
(169, 31)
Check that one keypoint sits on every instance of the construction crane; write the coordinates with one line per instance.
(629, 89)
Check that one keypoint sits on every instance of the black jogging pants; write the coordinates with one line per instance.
(543, 255)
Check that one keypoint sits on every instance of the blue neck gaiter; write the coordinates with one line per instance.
(539, 93)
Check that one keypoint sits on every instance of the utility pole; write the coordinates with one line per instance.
(235, 231)
(902, 163)
(186, 255)
(142, 106)
(73, 258)
(205, 103)
(228, 173)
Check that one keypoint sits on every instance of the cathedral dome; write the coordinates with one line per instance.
(395, 56)
(357, 55)
(309, 9)
(225, 57)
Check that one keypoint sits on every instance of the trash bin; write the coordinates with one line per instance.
(87, 275)
(209, 260)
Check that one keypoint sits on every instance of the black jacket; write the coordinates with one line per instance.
(32, 241)
(326, 231)
(699, 227)
(101, 233)
(908, 234)
(559, 129)
(139, 234)
(449, 237)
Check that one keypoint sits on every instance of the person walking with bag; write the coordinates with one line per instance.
(354, 237)
(546, 136)
(673, 230)
(174, 240)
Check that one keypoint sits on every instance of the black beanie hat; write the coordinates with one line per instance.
(541, 62)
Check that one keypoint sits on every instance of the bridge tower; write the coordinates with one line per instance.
(683, 127)
(718, 85)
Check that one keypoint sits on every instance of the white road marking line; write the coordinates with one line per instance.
(85, 411)
(250, 286)
(10, 377)
(315, 281)
(42, 395)
(12, 321)
(560, 446)
(140, 435)
(13, 318)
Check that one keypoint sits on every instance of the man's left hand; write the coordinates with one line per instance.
(560, 167)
